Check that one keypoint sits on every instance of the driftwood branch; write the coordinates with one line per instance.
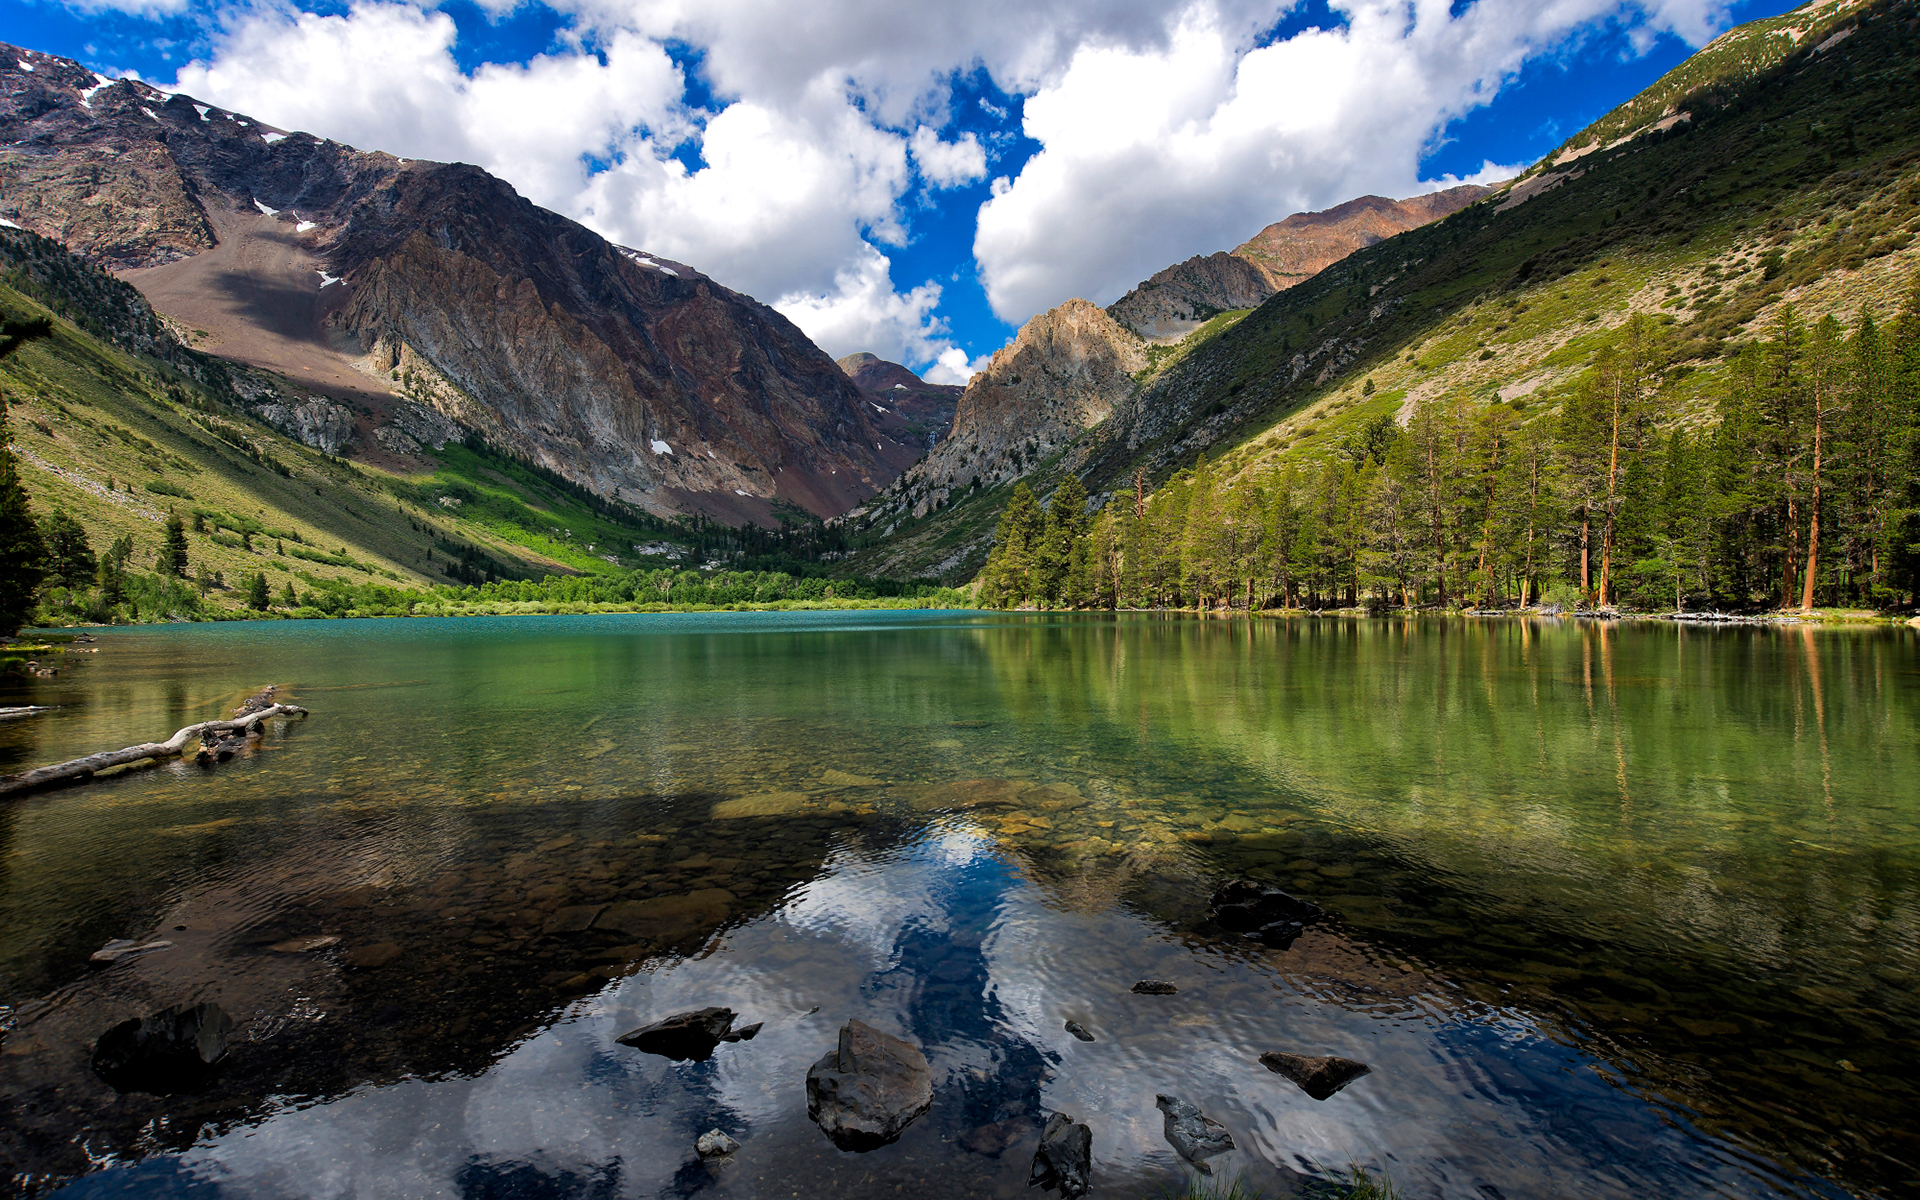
(209, 736)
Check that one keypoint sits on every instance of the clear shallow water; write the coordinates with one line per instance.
(1620, 911)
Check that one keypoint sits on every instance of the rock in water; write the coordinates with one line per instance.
(1264, 913)
(714, 1143)
(173, 1050)
(1078, 1030)
(1154, 987)
(688, 1036)
(121, 949)
(1196, 1137)
(1064, 1161)
(1318, 1076)
(867, 1090)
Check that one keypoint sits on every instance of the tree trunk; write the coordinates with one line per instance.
(1813, 515)
(82, 768)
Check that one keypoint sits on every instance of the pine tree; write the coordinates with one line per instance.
(173, 554)
(22, 551)
(70, 560)
(258, 598)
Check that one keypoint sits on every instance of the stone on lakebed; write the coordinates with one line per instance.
(867, 1090)
(1319, 1076)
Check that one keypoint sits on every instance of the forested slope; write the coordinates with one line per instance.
(1792, 183)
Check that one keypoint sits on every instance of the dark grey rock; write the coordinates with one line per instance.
(866, 1091)
(1263, 913)
(1078, 1030)
(1195, 1136)
(1064, 1161)
(174, 1050)
(1319, 1076)
(743, 1034)
(688, 1036)
(1154, 987)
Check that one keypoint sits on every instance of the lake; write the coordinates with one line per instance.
(1610, 910)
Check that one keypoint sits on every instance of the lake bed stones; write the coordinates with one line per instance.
(867, 1090)
(1064, 1161)
(1263, 913)
(1195, 1136)
(688, 1036)
(174, 1050)
(1319, 1076)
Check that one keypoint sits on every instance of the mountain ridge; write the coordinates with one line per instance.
(349, 272)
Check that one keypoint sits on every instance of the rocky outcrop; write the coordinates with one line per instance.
(1064, 373)
(923, 410)
(1181, 298)
(1178, 300)
(364, 278)
(867, 1090)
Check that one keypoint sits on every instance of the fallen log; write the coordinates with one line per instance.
(213, 745)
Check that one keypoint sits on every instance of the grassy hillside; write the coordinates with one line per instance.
(1796, 181)
(119, 440)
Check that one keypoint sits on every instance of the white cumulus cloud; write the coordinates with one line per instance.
(1166, 127)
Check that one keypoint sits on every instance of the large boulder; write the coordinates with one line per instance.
(1196, 1136)
(867, 1090)
(174, 1050)
(1064, 1161)
(1319, 1076)
(688, 1036)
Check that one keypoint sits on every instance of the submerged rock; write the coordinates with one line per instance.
(688, 1036)
(1319, 1076)
(714, 1143)
(1064, 1161)
(1154, 987)
(867, 1090)
(1197, 1137)
(1264, 913)
(368, 958)
(1078, 1030)
(173, 1050)
(121, 949)
(305, 945)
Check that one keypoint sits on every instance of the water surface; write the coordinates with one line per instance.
(1613, 910)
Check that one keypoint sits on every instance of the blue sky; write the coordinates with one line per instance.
(917, 180)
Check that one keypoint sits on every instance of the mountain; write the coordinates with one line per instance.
(365, 282)
(1056, 379)
(903, 402)
(1178, 300)
(1778, 165)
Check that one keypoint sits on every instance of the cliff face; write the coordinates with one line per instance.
(368, 279)
(901, 400)
(1179, 299)
(1064, 373)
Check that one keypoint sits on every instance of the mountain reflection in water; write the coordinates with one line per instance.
(1576, 877)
